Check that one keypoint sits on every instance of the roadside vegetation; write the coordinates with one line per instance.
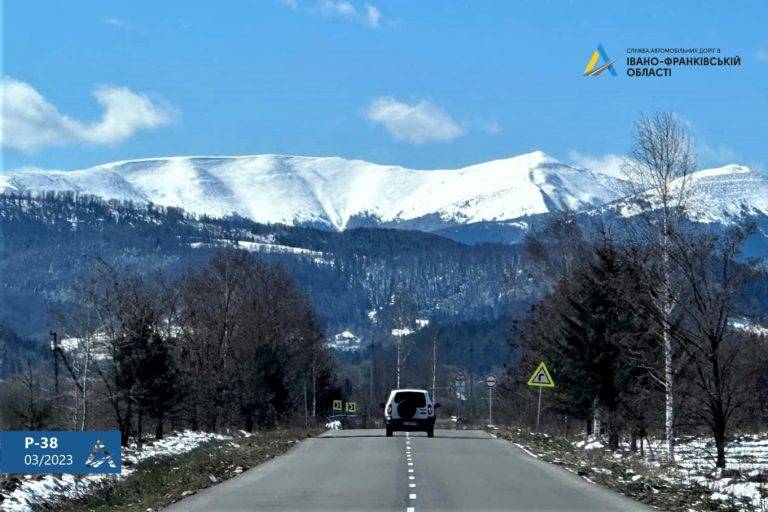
(233, 345)
(644, 330)
(160, 481)
(694, 484)
(204, 376)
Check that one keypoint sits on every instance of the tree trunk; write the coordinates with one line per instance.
(314, 395)
(139, 428)
(248, 422)
(613, 431)
(669, 417)
(720, 443)
(669, 375)
(597, 421)
(159, 432)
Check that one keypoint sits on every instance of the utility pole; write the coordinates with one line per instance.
(306, 407)
(57, 352)
(472, 377)
(434, 364)
(370, 382)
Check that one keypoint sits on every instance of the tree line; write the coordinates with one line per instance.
(231, 345)
(641, 327)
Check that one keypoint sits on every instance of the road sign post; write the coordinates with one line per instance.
(538, 412)
(491, 382)
(540, 379)
(490, 406)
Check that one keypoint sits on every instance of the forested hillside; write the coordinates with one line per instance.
(51, 242)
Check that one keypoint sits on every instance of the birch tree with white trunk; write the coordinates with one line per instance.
(658, 171)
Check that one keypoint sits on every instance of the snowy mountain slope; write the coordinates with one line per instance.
(335, 193)
(332, 192)
(721, 195)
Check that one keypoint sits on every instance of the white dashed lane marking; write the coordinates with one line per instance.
(409, 462)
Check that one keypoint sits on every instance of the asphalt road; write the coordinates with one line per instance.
(362, 470)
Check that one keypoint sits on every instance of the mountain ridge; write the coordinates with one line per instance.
(332, 191)
(336, 194)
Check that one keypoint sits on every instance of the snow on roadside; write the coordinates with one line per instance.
(746, 474)
(36, 491)
(745, 479)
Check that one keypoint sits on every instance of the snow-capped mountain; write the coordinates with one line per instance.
(728, 193)
(336, 193)
(721, 195)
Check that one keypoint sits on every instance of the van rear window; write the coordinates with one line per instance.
(415, 398)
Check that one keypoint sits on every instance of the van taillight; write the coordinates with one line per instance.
(429, 410)
(389, 410)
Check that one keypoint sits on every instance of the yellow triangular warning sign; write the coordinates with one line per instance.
(541, 377)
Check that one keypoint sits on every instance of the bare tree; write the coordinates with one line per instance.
(658, 170)
(714, 278)
(26, 403)
(400, 315)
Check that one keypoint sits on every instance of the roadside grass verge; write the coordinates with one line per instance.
(158, 482)
(647, 481)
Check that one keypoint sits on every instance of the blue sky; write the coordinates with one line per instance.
(421, 84)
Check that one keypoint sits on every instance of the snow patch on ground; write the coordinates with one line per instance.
(266, 247)
(590, 444)
(747, 325)
(36, 491)
(345, 341)
(745, 479)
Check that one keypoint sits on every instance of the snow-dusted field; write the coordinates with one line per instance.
(746, 474)
(745, 477)
(38, 490)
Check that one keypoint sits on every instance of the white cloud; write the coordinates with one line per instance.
(489, 126)
(365, 14)
(610, 164)
(338, 8)
(416, 123)
(30, 122)
(116, 22)
(372, 15)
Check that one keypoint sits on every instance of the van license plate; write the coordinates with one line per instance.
(410, 423)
